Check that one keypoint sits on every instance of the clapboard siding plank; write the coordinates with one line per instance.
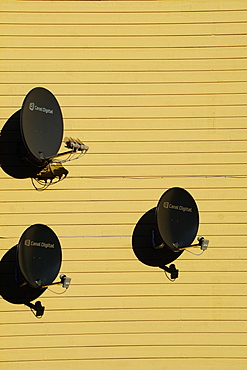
(118, 17)
(149, 39)
(126, 7)
(150, 124)
(96, 137)
(167, 316)
(106, 218)
(156, 101)
(130, 147)
(148, 100)
(140, 363)
(124, 254)
(158, 184)
(100, 303)
(155, 290)
(121, 340)
(13, 94)
(149, 275)
(118, 327)
(97, 219)
(163, 123)
(113, 242)
(161, 169)
(156, 158)
(163, 111)
(214, 253)
(113, 205)
(131, 353)
(134, 351)
(135, 265)
(82, 30)
(161, 135)
(216, 52)
(124, 77)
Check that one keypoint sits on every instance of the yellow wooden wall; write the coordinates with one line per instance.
(158, 92)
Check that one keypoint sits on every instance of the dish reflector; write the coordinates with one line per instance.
(177, 218)
(39, 255)
(41, 123)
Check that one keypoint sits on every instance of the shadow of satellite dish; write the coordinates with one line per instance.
(164, 232)
(31, 138)
(12, 288)
(13, 153)
(142, 243)
(30, 267)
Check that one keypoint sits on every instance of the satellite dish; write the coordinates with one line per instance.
(164, 232)
(39, 256)
(31, 138)
(30, 267)
(177, 218)
(41, 124)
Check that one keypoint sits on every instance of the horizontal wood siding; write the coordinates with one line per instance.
(158, 92)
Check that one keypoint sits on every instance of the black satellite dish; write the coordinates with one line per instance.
(164, 232)
(31, 138)
(39, 255)
(177, 218)
(29, 268)
(41, 124)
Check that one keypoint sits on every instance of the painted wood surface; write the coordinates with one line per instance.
(157, 89)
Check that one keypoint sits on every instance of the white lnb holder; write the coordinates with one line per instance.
(203, 243)
(65, 281)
